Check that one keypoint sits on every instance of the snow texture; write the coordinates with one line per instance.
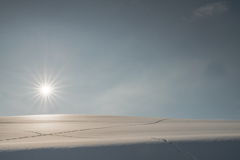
(89, 137)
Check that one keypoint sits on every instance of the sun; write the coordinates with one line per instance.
(46, 90)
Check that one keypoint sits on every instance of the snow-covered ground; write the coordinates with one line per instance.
(88, 137)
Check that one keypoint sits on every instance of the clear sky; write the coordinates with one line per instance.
(155, 58)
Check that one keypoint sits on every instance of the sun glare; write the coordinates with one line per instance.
(45, 90)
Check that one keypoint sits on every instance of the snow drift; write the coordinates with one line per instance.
(91, 137)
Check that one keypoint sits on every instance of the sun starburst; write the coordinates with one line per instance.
(46, 90)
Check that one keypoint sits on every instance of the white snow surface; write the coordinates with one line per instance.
(90, 137)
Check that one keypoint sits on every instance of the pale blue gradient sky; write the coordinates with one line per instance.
(174, 59)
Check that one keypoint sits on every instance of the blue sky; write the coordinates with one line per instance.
(173, 59)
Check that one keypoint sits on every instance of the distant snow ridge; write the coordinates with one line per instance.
(91, 137)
